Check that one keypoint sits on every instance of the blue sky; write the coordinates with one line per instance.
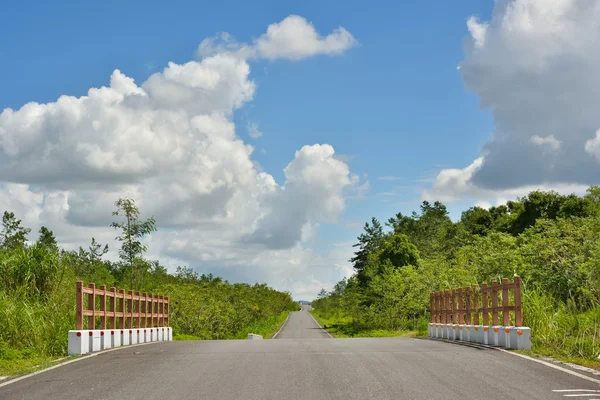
(394, 106)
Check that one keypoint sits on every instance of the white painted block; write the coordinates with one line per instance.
(79, 342)
(454, 335)
(479, 333)
(467, 334)
(486, 334)
(115, 336)
(95, 340)
(461, 332)
(494, 335)
(504, 337)
(134, 336)
(125, 337)
(170, 334)
(520, 338)
(430, 330)
(105, 339)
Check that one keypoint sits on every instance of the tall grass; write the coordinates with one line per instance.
(560, 328)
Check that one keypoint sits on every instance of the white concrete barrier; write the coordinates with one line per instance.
(88, 341)
(508, 337)
(105, 340)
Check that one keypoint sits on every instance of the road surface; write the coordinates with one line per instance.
(301, 325)
(313, 367)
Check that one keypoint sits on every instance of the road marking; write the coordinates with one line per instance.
(285, 322)
(85, 357)
(576, 390)
(319, 325)
(568, 371)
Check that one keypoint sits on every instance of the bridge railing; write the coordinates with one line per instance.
(124, 311)
(464, 314)
(466, 305)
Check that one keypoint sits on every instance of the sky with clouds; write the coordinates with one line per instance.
(262, 136)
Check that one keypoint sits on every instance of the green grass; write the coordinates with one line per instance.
(342, 327)
(14, 362)
(266, 328)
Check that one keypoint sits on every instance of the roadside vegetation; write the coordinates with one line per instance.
(550, 240)
(37, 291)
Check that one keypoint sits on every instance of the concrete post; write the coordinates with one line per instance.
(479, 333)
(520, 338)
(125, 337)
(79, 342)
(95, 340)
(105, 340)
(116, 338)
(494, 335)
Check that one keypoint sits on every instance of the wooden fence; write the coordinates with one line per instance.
(467, 305)
(125, 311)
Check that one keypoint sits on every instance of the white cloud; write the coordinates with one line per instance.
(170, 143)
(592, 146)
(294, 38)
(548, 142)
(534, 66)
(253, 130)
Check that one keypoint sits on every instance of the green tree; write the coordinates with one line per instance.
(13, 234)
(47, 238)
(368, 242)
(132, 232)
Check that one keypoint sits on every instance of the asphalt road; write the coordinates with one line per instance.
(302, 368)
(301, 325)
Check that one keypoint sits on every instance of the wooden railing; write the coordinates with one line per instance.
(462, 305)
(125, 310)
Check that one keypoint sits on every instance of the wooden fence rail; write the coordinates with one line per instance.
(125, 310)
(466, 305)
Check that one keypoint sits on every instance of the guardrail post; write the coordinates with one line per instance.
(103, 307)
(92, 306)
(79, 304)
(495, 288)
(518, 305)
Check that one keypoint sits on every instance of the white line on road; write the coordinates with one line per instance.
(85, 357)
(319, 325)
(285, 322)
(576, 390)
(568, 371)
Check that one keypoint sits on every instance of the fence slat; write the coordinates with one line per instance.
(102, 307)
(518, 306)
(495, 287)
(505, 311)
(112, 301)
(484, 304)
(79, 304)
(468, 305)
(122, 308)
(92, 306)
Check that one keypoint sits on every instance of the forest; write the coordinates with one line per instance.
(548, 239)
(37, 291)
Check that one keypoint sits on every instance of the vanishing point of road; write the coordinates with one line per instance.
(303, 363)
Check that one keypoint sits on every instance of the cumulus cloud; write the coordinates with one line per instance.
(253, 130)
(171, 144)
(534, 66)
(592, 146)
(293, 38)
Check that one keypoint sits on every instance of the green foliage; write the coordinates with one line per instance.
(37, 292)
(548, 239)
(133, 231)
(13, 234)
